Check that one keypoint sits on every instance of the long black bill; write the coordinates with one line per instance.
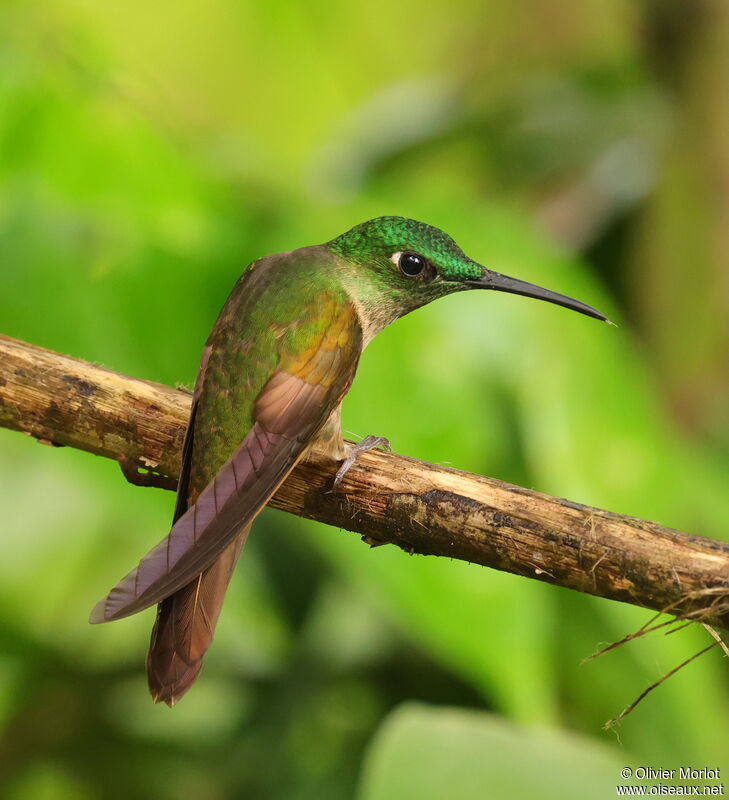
(503, 283)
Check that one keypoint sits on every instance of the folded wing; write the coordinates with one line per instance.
(292, 406)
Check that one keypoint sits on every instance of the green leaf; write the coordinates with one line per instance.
(439, 753)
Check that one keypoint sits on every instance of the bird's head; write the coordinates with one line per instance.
(407, 264)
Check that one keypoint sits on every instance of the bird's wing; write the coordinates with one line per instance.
(183, 484)
(313, 375)
(185, 623)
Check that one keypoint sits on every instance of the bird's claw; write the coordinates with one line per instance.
(354, 450)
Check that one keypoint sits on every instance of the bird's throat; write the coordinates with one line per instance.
(376, 306)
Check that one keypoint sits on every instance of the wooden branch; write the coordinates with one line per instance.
(389, 499)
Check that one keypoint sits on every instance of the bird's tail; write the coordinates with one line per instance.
(185, 626)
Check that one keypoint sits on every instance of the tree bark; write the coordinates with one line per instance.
(387, 498)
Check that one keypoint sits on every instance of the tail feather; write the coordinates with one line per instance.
(185, 626)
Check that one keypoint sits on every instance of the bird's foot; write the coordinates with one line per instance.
(353, 451)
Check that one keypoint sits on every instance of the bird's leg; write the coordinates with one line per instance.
(331, 441)
(353, 451)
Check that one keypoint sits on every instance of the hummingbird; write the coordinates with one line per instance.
(278, 362)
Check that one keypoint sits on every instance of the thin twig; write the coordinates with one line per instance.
(623, 714)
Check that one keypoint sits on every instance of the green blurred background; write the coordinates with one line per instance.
(148, 152)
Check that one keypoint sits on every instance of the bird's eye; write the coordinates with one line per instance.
(411, 264)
